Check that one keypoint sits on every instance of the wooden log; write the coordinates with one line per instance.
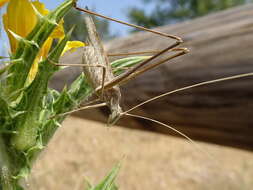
(221, 45)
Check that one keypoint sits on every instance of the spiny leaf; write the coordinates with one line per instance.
(108, 183)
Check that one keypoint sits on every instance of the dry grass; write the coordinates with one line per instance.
(87, 149)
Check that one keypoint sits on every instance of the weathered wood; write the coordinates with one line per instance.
(221, 45)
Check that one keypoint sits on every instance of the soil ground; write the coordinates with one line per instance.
(86, 149)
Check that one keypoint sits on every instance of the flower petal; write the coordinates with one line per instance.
(72, 46)
(58, 31)
(45, 48)
(33, 71)
(2, 2)
(20, 18)
(40, 7)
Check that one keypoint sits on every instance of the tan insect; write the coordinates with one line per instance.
(106, 86)
(98, 71)
(94, 56)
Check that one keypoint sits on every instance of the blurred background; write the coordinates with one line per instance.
(219, 34)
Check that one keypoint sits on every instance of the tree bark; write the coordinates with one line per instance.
(221, 45)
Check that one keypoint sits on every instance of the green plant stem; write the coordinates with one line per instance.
(7, 182)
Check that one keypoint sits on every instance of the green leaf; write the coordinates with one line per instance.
(120, 65)
(7, 115)
(108, 183)
(23, 173)
(64, 102)
(88, 184)
(11, 62)
(80, 89)
(3, 69)
(48, 130)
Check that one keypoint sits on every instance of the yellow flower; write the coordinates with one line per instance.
(2, 2)
(21, 18)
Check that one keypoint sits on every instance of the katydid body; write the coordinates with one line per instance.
(103, 80)
(94, 56)
(99, 74)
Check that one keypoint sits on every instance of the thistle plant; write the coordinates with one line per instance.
(30, 111)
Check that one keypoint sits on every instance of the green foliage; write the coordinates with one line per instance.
(166, 12)
(22, 101)
(31, 112)
(121, 65)
(108, 183)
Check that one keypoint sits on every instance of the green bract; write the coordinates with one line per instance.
(30, 112)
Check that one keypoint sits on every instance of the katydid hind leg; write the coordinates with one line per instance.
(181, 51)
(142, 52)
(122, 77)
(125, 75)
(128, 24)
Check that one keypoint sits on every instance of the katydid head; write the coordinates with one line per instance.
(114, 117)
(112, 98)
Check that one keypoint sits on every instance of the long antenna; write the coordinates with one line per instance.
(175, 130)
(189, 87)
